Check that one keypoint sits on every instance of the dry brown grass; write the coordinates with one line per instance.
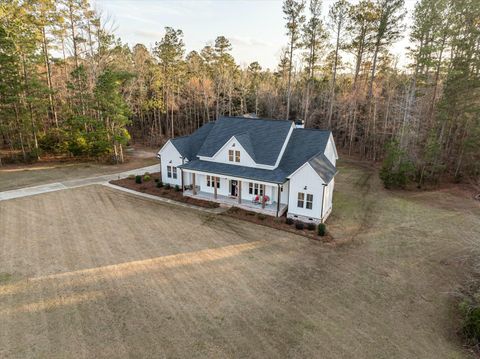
(97, 273)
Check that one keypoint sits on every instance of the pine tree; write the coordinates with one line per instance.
(314, 38)
(293, 10)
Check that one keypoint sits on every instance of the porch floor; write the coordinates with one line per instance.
(270, 209)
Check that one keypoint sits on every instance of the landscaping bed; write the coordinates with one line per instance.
(150, 183)
(281, 223)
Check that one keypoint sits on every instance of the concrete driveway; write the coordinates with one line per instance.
(56, 186)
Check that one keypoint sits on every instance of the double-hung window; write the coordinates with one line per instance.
(309, 203)
(301, 202)
(300, 199)
(172, 172)
(233, 155)
(256, 189)
(211, 181)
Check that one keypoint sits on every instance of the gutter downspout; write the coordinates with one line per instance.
(323, 200)
(160, 162)
(181, 169)
(278, 198)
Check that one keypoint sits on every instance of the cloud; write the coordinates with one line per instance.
(247, 41)
(155, 35)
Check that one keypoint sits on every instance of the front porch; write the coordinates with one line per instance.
(270, 209)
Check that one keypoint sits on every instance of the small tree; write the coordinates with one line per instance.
(397, 168)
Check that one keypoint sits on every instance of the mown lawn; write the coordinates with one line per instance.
(95, 273)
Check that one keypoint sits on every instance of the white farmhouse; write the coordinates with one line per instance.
(263, 165)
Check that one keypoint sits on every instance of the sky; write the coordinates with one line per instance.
(256, 28)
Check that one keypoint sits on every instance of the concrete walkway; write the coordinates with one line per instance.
(51, 187)
(218, 210)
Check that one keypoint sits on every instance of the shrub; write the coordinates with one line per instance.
(311, 226)
(146, 174)
(470, 309)
(167, 186)
(299, 225)
(159, 184)
(138, 179)
(321, 229)
(289, 221)
(157, 180)
(132, 177)
(177, 188)
(147, 178)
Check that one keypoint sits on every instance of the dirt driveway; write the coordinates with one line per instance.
(96, 273)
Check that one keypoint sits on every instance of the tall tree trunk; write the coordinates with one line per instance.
(289, 85)
(30, 108)
(334, 79)
(49, 77)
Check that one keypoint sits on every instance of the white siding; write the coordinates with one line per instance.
(233, 144)
(201, 180)
(170, 157)
(284, 193)
(306, 177)
(330, 151)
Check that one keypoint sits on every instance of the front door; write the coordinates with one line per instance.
(234, 188)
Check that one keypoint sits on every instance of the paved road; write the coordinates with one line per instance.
(30, 191)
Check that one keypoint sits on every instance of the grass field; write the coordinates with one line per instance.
(95, 273)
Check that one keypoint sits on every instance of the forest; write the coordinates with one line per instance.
(70, 87)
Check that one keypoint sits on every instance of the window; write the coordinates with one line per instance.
(211, 181)
(309, 202)
(256, 189)
(300, 199)
(172, 172)
(233, 155)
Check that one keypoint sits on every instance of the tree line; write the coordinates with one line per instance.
(68, 86)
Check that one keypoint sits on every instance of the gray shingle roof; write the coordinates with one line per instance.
(263, 138)
(308, 145)
(325, 169)
(275, 176)
(304, 145)
(188, 146)
(246, 142)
